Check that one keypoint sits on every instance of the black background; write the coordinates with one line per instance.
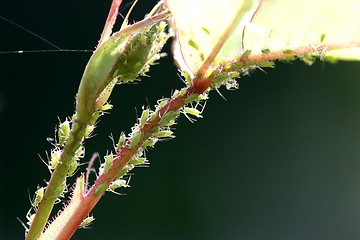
(278, 160)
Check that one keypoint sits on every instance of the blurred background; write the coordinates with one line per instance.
(279, 159)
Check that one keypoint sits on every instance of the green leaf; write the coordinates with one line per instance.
(329, 29)
(292, 24)
(200, 26)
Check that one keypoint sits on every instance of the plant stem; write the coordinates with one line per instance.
(110, 21)
(276, 55)
(57, 182)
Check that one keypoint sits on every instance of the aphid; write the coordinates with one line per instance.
(63, 132)
(245, 54)
(105, 94)
(79, 153)
(288, 51)
(107, 164)
(167, 118)
(89, 129)
(218, 81)
(100, 189)
(54, 158)
(149, 143)
(59, 191)
(267, 64)
(106, 106)
(86, 222)
(192, 111)
(161, 103)
(193, 44)
(191, 98)
(118, 183)
(143, 39)
(73, 166)
(175, 94)
(135, 139)
(238, 66)
(124, 171)
(322, 37)
(121, 142)
(144, 117)
(187, 77)
(265, 50)
(137, 160)
(206, 30)
(164, 134)
(39, 194)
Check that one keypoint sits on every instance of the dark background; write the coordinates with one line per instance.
(278, 160)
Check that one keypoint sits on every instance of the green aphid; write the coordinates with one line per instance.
(86, 222)
(250, 64)
(95, 116)
(121, 142)
(183, 91)
(288, 51)
(63, 132)
(124, 171)
(54, 158)
(106, 106)
(135, 139)
(144, 117)
(191, 98)
(193, 44)
(220, 79)
(105, 94)
(228, 65)
(202, 56)
(308, 59)
(192, 111)
(73, 166)
(89, 129)
(60, 189)
(322, 37)
(187, 77)
(118, 183)
(164, 134)
(108, 162)
(267, 64)
(238, 66)
(143, 39)
(175, 94)
(206, 30)
(79, 153)
(100, 189)
(161, 103)
(161, 27)
(137, 160)
(246, 54)
(39, 194)
(166, 119)
(149, 143)
(288, 58)
(234, 75)
(265, 50)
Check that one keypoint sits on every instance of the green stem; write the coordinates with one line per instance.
(91, 197)
(57, 181)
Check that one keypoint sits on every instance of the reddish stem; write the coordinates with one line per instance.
(110, 21)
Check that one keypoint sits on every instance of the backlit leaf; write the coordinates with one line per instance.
(201, 24)
(290, 24)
